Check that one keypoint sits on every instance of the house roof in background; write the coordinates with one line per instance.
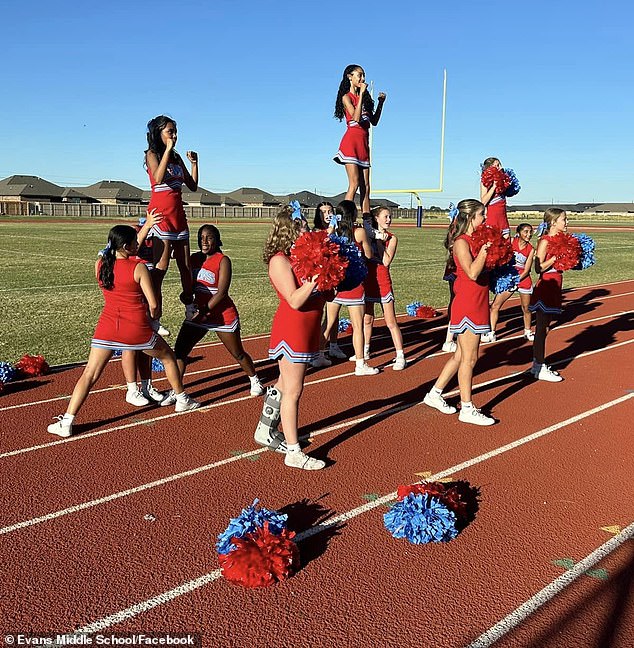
(29, 185)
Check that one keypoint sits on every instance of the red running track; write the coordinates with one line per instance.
(114, 528)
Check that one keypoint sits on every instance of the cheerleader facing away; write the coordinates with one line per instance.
(356, 105)
(546, 298)
(524, 254)
(469, 313)
(123, 324)
(378, 284)
(494, 202)
(295, 337)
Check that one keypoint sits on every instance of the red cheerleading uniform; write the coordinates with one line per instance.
(526, 285)
(356, 296)
(546, 296)
(124, 322)
(145, 252)
(496, 214)
(295, 334)
(470, 307)
(355, 146)
(168, 201)
(378, 283)
(205, 273)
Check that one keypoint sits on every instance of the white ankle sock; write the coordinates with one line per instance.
(366, 349)
(293, 447)
(254, 379)
(360, 363)
(132, 387)
(436, 391)
(68, 418)
(181, 397)
(466, 406)
(400, 354)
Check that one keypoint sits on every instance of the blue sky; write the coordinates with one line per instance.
(547, 87)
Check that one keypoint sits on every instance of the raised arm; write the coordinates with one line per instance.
(374, 119)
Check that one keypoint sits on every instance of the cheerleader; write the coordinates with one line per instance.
(524, 253)
(469, 314)
(546, 298)
(168, 173)
(449, 275)
(355, 104)
(495, 203)
(354, 299)
(323, 213)
(213, 309)
(294, 343)
(123, 324)
(378, 284)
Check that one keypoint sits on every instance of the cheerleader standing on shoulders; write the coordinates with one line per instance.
(495, 203)
(295, 335)
(356, 105)
(524, 254)
(546, 298)
(354, 299)
(168, 173)
(123, 324)
(378, 284)
(469, 314)
(215, 310)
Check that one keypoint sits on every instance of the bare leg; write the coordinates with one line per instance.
(395, 331)
(181, 254)
(129, 365)
(356, 317)
(352, 171)
(368, 322)
(164, 353)
(498, 302)
(291, 384)
(364, 190)
(332, 319)
(468, 343)
(525, 300)
(97, 360)
(233, 344)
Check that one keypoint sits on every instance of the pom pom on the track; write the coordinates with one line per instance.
(425, 312)
(421, 518)
(504, 278)
(514, 184)
(314, 253)
(261, 558)
(357, 270)
(7, 372)
(501, 250)
(157, 365)
(493, 174)
(566, 249)
(587, 257)
(413, 307)
(250, 519)
(344, 325)
(449, 495)
(29, 366)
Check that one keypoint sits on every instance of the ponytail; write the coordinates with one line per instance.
(118, 237)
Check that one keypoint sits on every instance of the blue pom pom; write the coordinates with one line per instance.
(357, 270)
(344, 324)
(157, 365)
(251, 518)
(421, 519)
(117, 353)
(412, 308)
(7, 372)
(514, 188)
(588, 246)
(503, 278)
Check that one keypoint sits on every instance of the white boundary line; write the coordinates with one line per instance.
(192, 585)
(551, 590)
(223, 462)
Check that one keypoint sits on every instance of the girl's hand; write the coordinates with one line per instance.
(192, 156)
(485, 247)
(153, 217)
(382, 97)
(362, 88)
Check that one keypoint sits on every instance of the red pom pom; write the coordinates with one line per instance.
(261, 558)
(425, 312)
(314, 253)
(566, 249)
(501, 250)
(493, 174)
(30, 366)
(450, 497)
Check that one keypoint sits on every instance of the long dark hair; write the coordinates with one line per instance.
(348, 212)
(154, 141)
(344, 89)
(466, 211)
(215, 232)
(118, 237)
(320, 223)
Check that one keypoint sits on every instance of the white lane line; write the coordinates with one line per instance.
(377, 416)
(551, 590)
(190, 586)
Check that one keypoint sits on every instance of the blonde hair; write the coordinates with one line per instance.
(552, 214)
(466, 213)
(283, 234)
(490, 161)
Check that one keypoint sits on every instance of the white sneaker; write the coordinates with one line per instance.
(60, 427)
(547, 374)
(335, 351)
(153, 394)
(170, 398)
(449, 347)
(399, 364)
(353, 358)
(365, 370)
(136, 398)
(438, 402)
(475, 416)
(487, 338)
(529, 335)
(257, 388)
(162, 331)
(186, 403)
(297, 459)
(320, 361)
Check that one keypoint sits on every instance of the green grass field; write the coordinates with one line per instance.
(50, 302)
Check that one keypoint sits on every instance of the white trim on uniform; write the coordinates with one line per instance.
(282, 349)
(539, 305)
(170, 236)
(342, 159)
(223, 328)
(467, 325)
(113, 346)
